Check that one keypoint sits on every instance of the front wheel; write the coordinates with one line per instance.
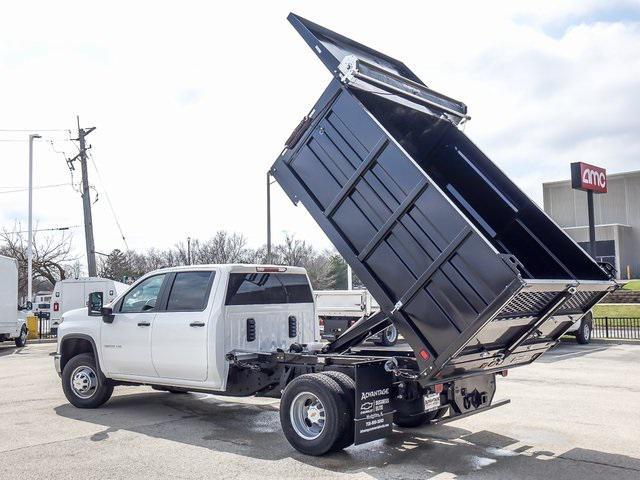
(83, 383)
(21, 340)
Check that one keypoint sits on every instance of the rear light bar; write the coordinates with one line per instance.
(271, 269)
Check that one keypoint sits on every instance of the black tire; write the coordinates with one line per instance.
(100, 390)
(583, 334)
(21, 340)
(388, 337)
(348, 387)
(337, 418)
(412, 415)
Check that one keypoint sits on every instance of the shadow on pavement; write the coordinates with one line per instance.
(254, 431)
(10, 349)
(568, 349)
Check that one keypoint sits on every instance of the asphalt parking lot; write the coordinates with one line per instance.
(574, 415)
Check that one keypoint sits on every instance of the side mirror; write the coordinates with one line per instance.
(95, 304)
(107, 315)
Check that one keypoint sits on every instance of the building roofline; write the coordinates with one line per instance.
(609, 175)
(603, 225)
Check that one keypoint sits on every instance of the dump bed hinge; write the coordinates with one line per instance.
(353, 69)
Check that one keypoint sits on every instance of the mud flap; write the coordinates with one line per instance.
(373, 410)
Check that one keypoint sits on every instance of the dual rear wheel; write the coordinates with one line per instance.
(317, 412)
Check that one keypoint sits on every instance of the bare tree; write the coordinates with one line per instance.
(224, 247)
(52, 256)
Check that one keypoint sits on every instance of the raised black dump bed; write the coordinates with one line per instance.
(475, 276)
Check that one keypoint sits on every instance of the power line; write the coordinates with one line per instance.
(34, 130)
(50, 229)
(35, 188)
(106, 194)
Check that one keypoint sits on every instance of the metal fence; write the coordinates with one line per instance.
(624, 328)
(44, 327)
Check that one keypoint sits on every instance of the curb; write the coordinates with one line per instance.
(615, 341)
(42, 340)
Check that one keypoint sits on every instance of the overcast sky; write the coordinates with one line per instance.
(193, 100)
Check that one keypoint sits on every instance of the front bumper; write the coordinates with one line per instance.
(56, 363)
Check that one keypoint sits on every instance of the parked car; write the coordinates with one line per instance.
(582, 329)
(72, 293)
(12, 319)
(337, 310)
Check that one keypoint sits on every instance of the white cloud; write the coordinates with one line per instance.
(193, 100)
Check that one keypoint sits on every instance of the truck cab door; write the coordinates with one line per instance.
(126, 342)
(179, 341)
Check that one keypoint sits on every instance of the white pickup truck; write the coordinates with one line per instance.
(242, 330)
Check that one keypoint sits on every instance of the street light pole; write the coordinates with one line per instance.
(32, 137)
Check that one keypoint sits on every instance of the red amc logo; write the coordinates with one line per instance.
(588, 177)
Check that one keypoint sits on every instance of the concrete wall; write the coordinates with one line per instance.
(621, 206)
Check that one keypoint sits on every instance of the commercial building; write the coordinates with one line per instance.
(617, 219)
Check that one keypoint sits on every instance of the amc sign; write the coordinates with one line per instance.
(588, 177)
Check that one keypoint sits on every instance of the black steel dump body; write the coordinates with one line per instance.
(475, 276)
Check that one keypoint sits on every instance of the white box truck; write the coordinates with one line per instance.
(72, 293)
(338, 310)
(12, 322)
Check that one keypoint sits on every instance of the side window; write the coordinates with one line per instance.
(190, 291)
(255, 289)
(143, 297)
(267, 288)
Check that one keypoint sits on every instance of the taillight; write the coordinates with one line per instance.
(438, 387)
(352, 321)
(56, 306)
(321, 320)
(504, 373)
(424, 354)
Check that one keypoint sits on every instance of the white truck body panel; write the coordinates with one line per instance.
(344, 303)
(170, 351)
(72, 293)
(10, 323)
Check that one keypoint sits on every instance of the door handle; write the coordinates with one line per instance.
(143, 324)
(196, 324)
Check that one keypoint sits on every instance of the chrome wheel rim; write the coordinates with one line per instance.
(391, 333)
(84, 382)
(308, 416)
(23, 335)
(586, 330)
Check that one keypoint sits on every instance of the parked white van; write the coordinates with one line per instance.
(42, 304)
(72, 293)
(12, 322)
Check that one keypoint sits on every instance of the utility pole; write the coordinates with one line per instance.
(86, 197)
(188, 250)
(30, 240)
(268, 217)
